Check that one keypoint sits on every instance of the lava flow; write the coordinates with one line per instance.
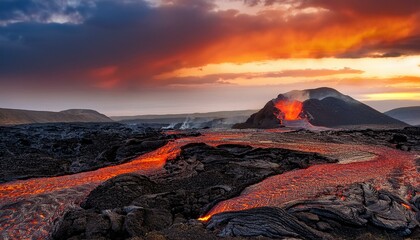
(29, 207)
(306, 183)
(288, 110)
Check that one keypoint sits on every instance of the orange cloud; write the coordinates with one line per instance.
(267, 37)
(317, 38)
(410, 80)
(224, 77)
(148, 41)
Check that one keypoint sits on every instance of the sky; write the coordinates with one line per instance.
(128, 57)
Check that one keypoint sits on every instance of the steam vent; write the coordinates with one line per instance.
(320, 107)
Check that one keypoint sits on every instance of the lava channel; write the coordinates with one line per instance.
(308, 183)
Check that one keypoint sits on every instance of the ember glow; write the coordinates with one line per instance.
(289, 110)
(406, 205)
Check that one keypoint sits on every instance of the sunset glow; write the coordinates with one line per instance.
(170, 50)
(392, 96)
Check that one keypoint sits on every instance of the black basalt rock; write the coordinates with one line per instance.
(270, 222)
(360, 205)
(44, 150)
(119, 191)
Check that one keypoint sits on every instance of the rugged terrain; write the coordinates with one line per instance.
(203, 178)
(193, 183)
(42, 150)
(237, 184)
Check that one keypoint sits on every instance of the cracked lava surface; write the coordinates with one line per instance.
(29, 207)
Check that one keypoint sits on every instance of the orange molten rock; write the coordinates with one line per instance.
(278, 190)
(289, 110)
(29, 207)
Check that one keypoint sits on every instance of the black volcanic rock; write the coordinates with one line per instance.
(140, 221)
(334, 112)
(265, 221)
(108, 194)
(200, 177)
(324, 107)
(359, 205)
(40, 150)
(264, 118)
(79, 220)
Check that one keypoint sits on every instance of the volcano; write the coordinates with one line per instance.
(320, 107)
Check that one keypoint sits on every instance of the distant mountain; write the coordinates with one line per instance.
(222, 119)
(410, 115)
(322, 107)
(220, 114)
(17, 116)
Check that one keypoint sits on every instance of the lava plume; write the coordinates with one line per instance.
(288, 110)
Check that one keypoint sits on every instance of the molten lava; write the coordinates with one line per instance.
(406, 206)
(29, 207)
(289, 110)
(306, 183)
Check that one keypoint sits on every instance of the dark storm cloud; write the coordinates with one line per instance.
(43, 11)
(359, 7)
(401, 47)
(367, 7)
(133, 36)
(126, 43)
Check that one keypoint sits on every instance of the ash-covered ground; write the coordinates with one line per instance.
(235, 184)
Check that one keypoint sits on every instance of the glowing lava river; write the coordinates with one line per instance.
(28, 208)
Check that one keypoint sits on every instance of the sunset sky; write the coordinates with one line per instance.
(127, 57)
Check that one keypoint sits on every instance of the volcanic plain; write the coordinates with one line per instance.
(209, 184)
